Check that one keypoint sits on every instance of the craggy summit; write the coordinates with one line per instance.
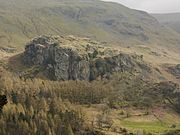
(75, 58)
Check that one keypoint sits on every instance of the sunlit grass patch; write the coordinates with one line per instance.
(152, 127)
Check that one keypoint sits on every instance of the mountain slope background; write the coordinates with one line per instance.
(21, 20)
(172, 20)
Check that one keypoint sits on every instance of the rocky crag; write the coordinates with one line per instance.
(175, 70)
(72, 58)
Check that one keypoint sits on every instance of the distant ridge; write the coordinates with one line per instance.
(172, 20)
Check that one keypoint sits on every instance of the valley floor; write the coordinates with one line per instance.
(156, 121)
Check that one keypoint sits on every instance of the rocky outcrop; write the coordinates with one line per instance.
(175, 70)
(71, 58)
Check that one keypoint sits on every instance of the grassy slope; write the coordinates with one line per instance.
(172, 20)
(21, 20)
(158, 121)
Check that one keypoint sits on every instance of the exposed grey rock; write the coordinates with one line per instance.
(175, 70)
(67, 58)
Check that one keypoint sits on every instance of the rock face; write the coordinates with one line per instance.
(175, 70)
(71, 58)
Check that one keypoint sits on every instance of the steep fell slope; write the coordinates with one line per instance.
(172, 20)
(21, 20)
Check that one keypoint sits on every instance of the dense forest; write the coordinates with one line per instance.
(43, 107)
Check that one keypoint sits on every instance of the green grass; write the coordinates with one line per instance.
(152, 127)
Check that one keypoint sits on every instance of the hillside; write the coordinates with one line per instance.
(171, 20)
(20, 20)
(106, 90)
(81, 58)
(125, 103)
(86, 67)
